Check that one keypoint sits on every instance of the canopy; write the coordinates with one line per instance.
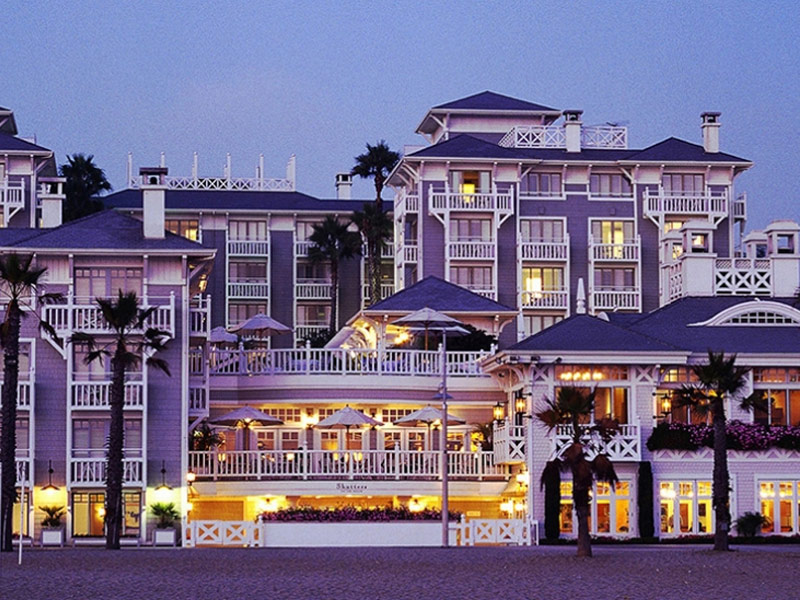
(347, 417)
(247, 415)
(427, 416)
(428, 319)
(261, 324)
(219, 335)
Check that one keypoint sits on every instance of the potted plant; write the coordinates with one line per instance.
(167, 514)
(52, 529)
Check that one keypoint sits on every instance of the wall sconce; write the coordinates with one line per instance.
(190, 477)
(162, 491)
(498, 411)
(519, 404)
(50, 488)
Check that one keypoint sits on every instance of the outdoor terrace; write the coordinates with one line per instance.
(554, 136)
(82, 314)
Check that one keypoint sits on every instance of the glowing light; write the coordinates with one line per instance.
(416, 505)
(523, 478)
(189, 507)
(507, 506)
(667, 493)
(101, 512)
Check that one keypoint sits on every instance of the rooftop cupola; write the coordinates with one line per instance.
(154, 185)
(572, 130)
(344, 185)
(710, 129)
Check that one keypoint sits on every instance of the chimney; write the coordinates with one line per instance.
(710, 129)
(572, 130)
(153, 184)
(51, 199)
(344, 182)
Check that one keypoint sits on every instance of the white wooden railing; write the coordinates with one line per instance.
(92, 471)
(625, 444)
(740, 206)
(305, 331)
(554, 136)
(248, 247)
(387, 289)
(198, 400)
(471, 250)
(200, 317)
(341, 464)
(743, 276)
(22, 467)
(674, 283)
(265, 184)
(87, 317)
(248, 289)
(443, 201)
(341, 361)
(625, 251)
(628, 298)
(313, 289)
(408, 252)
(302, 248)
(545, 249)
(547, 298)
(96, 394)
(519, 532)
(405, 203)
(659, 203)
(508, 442)
(12, 194)
(480, 289)
(24, 394)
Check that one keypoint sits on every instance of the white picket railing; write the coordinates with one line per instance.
(483, 202)
(341, 361)
(659, 203)
(302, 248)
(22, 467)
(545, 249)
(616, 298)
(222, 533)
(198, 400)
(625, 251)
(519, 532)
(547, 298)
(313, 289)
(248, 247)
(96, 394)
(471, 250)
(554, 136)
(200, 317)
(92, 471)
(248, 184)
(305, 331)
(481, 289)
(387, 289)
(508, 442)
(341, 464)
(24, 394)
(12, 194)
(410, 253)
(248, 289)
(743, 276)
(625, 444)
(86, 317)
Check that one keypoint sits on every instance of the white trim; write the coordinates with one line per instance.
(778, 308)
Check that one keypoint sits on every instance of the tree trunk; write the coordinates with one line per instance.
(334, 294)
(721, 492)
(116, 437)
(378, 190)
(580, 497)
(374, 267)
(9, 423)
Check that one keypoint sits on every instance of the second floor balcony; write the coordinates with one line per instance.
(615, 298)
(94, 395)
(471, 249)
(626, 250)
(554, 298)
(447, 200)
(313, 289)
(624, 445)
(84, 315)
(248, 247)
(660, 203)
(91, 471)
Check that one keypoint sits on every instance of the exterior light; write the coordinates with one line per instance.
(163, 490)
(50, 488)
(498, 411)
(523, 479)
(519, 404)
(190, 477)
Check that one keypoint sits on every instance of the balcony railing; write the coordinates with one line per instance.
(407, 253)
(471, 250)
(22, 465)
(79, 314)
(92, 471)
(625, 444)
(554, 136)
(508, 442)
(342, 464)
(305, 331)
(406, 203)
(12, 195)
(341, 361)
(387, 289)
(740, 207)
(616, 298)
(743, 276)
(480, 289)
(95, 395)
(248, 289)
(313, 289)
(200, 317)
(545, 249)
(248, 247)
(444, 201)
(24, 395)
(660, 203)
(302, 248)
(198, 400)
(625, 251)
(557, 298)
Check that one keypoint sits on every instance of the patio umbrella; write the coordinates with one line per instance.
(219, 335)
(426, 319)
(246, 417)
(427, 416)
(345, 418)
(261, 324)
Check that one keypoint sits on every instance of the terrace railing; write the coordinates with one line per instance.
(625, 444)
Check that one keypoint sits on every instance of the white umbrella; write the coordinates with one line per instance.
(261, 324)
(219, 335)
(345, 418)
(426, 319)
(246, 417)
(427, 416)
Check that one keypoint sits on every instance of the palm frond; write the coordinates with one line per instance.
(603, 469)
(160, 364)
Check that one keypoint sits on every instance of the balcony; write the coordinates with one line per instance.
(341, 361)
(658, 204)
(407, 253)
(554, 136)
(624, 251)
(442, 202)
(79, 314)
(556, 298)
(12, 197)
(387, 289)
(305, 331)
(313, 289)
(545, 249)
(471, 249)
(508, 442)
(743, 277)
(405, 203)
(740, 207)
(24, 395)
(613, 298)
(302, 248)
(93, 395)
(482, 289)
(261, 465)
(625, 445)
(248, 247)
(198, 401)
(90, 472)
(248, 289)
(200, 317)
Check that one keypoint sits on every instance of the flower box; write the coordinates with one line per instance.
(165, 537)
(283, 534)
(53, 536)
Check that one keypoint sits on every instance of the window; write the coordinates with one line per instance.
(97, 370)
(468, 230)
(609, 185)
(105, 282)
(470, 182)
(88, 511)
(285, 414)
(780, 504)
(683, 184)
(672, 226)
(783, 408)
(542, 230)
(612, 232)
(535, 323)
(304, 229)
(188, 228)
(472, 278)
(611, 403)
(700, 243)
(390, 415)
(609, 513)
(314, 315)
(247, 230)
(240, 312)
(536, 280)
(591, 373)
(89, 437)
(541, 184)
(785, 243)
(307, 270)
(685, 507)
(614, 279)
(247, 272)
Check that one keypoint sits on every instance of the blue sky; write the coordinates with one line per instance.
(319, 79)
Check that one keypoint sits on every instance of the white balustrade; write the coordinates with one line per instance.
(341, 361)
(628, 298)
(441, 202)
(743, 276)
(92, 471)
(659, 203)
(481, 289)
(625, 444)
(554, 136)
(313, 289)
(248, 247)
(88, 318)
(22, 468)
(198, 400)
(557, 298)
(545, 249)
(305, 331)
(248, 184)
(674, 281)
(625, 251)
(24, 394)
(508, 442)
(302, 248)
(471, 249)
(248, 289)
(196, 362)
(387, 289)
(341, 464)
(12, 194)
(200, 317)
(97, 394)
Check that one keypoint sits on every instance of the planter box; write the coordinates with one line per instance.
(393, 533)
(164, 537)
(53, 537)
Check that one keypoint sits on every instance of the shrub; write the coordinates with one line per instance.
(354, 513)
(750, 523)
(53, 515)
(740, 436)
(166, 513)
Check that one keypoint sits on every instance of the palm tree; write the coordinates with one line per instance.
(718, 380)
(205, 438)
(126, 320)
(376, 227)
(84, 181)
(571, 407)
(333, 242)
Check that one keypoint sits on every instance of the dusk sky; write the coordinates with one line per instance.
(319, 79)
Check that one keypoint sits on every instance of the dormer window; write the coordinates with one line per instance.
(785, 243)
(700, 243)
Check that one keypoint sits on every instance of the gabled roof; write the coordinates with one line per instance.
(466, 146)
(10, 142)
(441, 295)
(582, 333)
(674, 149)
(493, 101)
(107, 230)
(237, 200)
